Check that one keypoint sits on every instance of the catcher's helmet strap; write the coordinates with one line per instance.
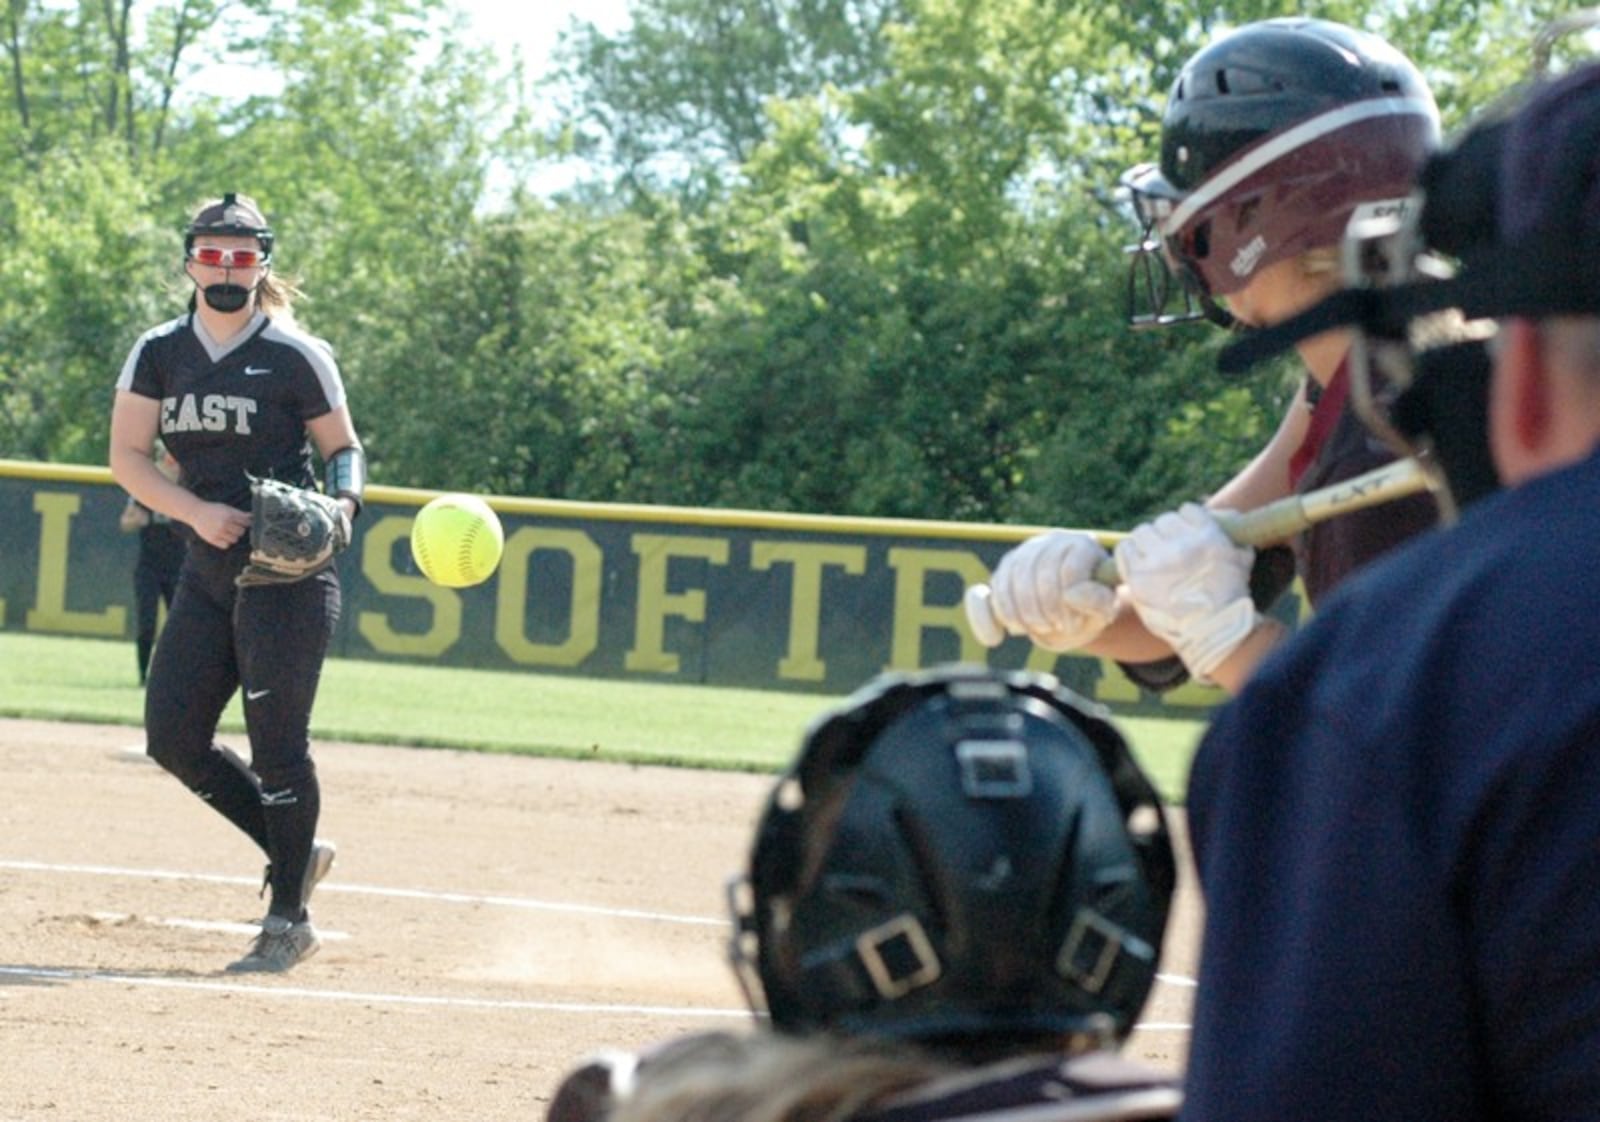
(743, 946)
(898, 956)
(1491, 283)
(1103, 958)
(882, 964)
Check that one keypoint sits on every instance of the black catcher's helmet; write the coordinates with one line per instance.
(957, 856)
(1274, 137)
(235, 216)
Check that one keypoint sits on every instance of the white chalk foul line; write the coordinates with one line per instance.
(493, 1004)
(484, 1003)
(202, 924)
(373, 890)
(421, 894)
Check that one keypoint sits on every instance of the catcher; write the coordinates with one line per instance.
(954, 909)
(241, 395)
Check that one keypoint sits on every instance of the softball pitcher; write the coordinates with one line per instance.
(241, 396)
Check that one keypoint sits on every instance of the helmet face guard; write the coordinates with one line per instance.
(232, 217)
(957, 855)
(1163, 289)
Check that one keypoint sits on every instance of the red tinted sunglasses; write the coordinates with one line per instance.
(227, 258)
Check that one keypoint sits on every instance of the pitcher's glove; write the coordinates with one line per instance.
(293, 533)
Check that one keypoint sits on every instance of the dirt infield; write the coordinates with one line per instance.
(490, 920)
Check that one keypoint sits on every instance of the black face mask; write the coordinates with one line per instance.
(226, 297)
(1447, 405)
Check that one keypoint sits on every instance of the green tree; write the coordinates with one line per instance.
(64, 309)
(927, 316)
(528, 368)
(853, 256)
(83, 72)
(926, 303)
(680, 96)
(365, 203)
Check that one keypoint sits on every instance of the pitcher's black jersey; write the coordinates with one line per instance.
(237, 410)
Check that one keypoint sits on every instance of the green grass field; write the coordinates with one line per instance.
(89, 680)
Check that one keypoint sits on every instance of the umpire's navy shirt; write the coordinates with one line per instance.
(1397, 827)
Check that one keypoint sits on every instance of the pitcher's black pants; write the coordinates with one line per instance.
(269, 641)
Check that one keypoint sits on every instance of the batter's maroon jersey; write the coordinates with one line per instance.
(1337, 448)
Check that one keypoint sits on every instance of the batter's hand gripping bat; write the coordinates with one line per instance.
(1263, 526)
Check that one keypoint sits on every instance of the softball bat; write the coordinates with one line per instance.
(1263, 526)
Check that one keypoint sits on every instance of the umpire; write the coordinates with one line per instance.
(1397, 824)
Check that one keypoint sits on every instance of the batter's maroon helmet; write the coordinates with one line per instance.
(1273, 137)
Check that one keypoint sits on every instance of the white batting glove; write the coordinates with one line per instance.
(1045, 589)
(1190, 585)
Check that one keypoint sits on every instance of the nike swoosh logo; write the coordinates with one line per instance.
(253, 370)
(255, 695)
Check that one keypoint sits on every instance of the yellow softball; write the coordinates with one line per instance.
(457, 541)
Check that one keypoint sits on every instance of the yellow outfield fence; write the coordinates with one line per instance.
(717, 597)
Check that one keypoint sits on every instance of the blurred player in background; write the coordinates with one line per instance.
(236, 391)
(954, 907)
(1396, 826)
(155, 572)
(1273, 138)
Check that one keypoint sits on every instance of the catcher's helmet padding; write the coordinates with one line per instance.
(960, 854)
